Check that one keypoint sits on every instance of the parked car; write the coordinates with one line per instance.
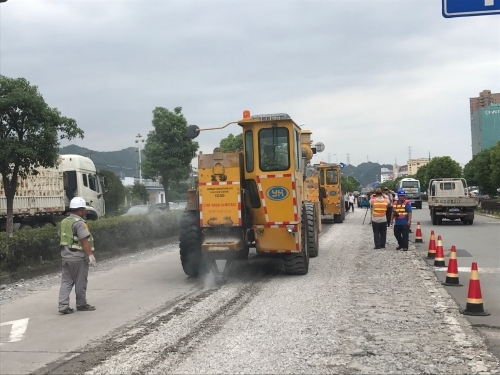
(142, 209)
(178, 205)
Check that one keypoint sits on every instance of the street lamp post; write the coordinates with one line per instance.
(139, 140)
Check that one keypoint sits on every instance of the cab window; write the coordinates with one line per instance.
(274, 149)
(85, 183)
(332, 177)
(249, 155)
(93, 184)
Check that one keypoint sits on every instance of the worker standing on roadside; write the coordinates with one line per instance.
(351, 201)
(379, 205)
(77, 245)
(401, 213)
(388, 195)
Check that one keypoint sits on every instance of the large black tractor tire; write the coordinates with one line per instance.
(190, 244)
(298, 263)
(312, 230)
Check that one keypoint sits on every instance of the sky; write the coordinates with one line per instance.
(369, 78)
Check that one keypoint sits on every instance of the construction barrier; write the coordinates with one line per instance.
(431, 252)
(418, 234)
(474, 297)
(452, 272)
(439, 255)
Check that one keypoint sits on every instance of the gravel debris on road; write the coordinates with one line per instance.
(358, 310)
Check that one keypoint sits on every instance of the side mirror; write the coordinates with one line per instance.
(193, 131)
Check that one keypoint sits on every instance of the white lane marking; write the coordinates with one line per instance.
(467, 269)
(17, 330)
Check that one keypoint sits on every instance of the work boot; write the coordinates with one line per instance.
(87, 307)
(67, 310)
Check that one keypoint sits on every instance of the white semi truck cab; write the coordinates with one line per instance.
(44, 199)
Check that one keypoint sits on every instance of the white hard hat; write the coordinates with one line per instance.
(77, 202)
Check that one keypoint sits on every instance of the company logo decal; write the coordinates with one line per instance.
(277, 193)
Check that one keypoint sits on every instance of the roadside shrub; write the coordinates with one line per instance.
(490, 205)
(29, 247)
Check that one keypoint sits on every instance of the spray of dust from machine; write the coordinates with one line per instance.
(210, 280)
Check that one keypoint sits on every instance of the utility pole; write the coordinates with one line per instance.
(89, 155)
(348, 159)
(429, 156)
(328, 157)
(409, 152)
(139, 140)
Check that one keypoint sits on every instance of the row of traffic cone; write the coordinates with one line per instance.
(474, 297)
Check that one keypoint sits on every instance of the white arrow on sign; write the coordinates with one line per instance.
(18, 329)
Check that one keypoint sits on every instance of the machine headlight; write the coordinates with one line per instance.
(289, 229)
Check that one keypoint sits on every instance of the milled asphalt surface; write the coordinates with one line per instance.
(359, 310)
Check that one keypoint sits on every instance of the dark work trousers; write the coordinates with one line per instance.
(379, 233)
(401, 233)
(74, 273)
(351, 205)
(388, 215)
(346, 205)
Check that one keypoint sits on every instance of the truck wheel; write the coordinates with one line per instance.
(419, 205)
(434, 217)
(470, 222)
(440, 220)
(25, 227)
(298, 264)
(190, 244)
(312, 231)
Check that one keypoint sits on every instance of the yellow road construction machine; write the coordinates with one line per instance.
(250, 199)
(330, 189)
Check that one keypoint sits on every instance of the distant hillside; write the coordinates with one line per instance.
(124, 162)
(366, 173)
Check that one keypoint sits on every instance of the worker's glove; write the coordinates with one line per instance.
(92, 261)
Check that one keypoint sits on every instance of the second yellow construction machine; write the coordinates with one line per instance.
(253, 198)
(332, 199)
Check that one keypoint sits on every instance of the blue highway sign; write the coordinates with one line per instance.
(342, 165)
(467, 8)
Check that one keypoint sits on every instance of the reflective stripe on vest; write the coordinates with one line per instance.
(401, 209)
(380, 207)
(68, 238)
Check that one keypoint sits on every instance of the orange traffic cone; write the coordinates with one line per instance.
(439, 256)
(431, 252)
(418, 234)
(474, 298)
(452, 272)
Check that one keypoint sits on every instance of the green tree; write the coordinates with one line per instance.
(391, 184)
(178, 191)
(116, 193)
(137, 194)
(168, 150)
(495, 166)
(29, 135)
(421, 176)
(442, 167)
(349, 183)
(232, 143)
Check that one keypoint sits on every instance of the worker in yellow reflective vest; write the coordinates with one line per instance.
(379, 205)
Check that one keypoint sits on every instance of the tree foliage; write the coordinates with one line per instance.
(115, 196)
(439, 167)
(495, 165)
(168, 150)
(137, 194)
(29, 135)
(349, 183)
(391, 184)
(232, 143)
(483, 170)
(421, 176)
